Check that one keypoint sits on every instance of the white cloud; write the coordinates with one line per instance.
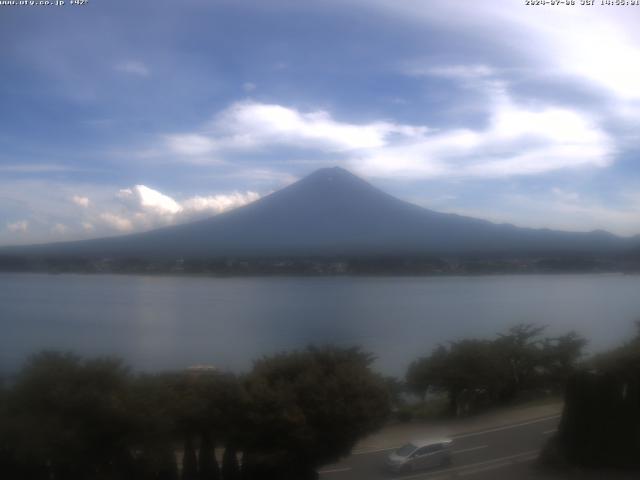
(133, 67)
(518, 140)
(571, 211)
(257, 124)
(462, 72)
(142, 208)
(150, 200)
(215, 204)
(80, 201)
(253, 126)
(600, 48)
(52, 215)
(59, 229)
(190, 144)
(20, 226)
(596, 45)
(117, 222)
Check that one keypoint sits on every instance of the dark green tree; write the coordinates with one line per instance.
(520, 347)
(69, 418)
(427, 373)
(230, 467)
(560, 358)
(207, 462)
(488, 371)
(189, 460)
(309, 408)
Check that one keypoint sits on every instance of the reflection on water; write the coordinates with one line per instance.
(172, 322)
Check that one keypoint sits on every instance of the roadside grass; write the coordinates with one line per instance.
(432, 409)
(437, 408)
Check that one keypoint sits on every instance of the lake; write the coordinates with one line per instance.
(173, 322)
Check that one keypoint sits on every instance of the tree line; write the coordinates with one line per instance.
(67, 418)
(64, 417)
(600, 425)
(473, 373)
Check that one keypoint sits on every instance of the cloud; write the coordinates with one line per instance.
(53, 214)
(590, 45)
(215, 204)
(569, 210)
(133, 67)
(190, 144)
(80, 201)
(145, 198)
(116, 222)
(20, 226)
(516, 140)
(59, 229)
(461, 72)
(256, 126)
(142, 208)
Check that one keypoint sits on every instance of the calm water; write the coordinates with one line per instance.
(173, 322)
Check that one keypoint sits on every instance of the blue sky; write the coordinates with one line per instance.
(123, 116)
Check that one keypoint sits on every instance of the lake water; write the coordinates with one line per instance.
(173, 322)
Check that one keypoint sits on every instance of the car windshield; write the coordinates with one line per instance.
(406, 450)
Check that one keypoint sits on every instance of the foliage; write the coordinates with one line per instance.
(207, 464)
(489, 371)
(431, 409)
(68, 418)
(624, 359)
(309, 408)
(230, 466)
(600, 424)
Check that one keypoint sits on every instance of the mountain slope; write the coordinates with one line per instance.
(333, 212)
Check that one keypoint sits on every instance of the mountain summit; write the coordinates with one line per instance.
(333, 212)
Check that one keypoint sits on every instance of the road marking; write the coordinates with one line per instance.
(334, 470)
(464, 450)
(506, 427)
(377, 450)
(548, 432)
(494, 463)
(464, 435)
(486, 468)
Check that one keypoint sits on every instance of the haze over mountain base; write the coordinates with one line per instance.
(333, 222)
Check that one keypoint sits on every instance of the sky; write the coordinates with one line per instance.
(120, 116)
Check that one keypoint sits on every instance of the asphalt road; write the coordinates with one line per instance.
(503, 452)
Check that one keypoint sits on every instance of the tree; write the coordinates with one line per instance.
(189, 461)
(600, 425)
(207, 463)
(69, 418)
(520, 349)
(560, 357)
(230, 467)
(473, 371)
(465, 367)
(623, 359)
(309, 408)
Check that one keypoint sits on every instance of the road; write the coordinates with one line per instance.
(501, 452)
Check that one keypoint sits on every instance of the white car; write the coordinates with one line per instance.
(420, 454)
